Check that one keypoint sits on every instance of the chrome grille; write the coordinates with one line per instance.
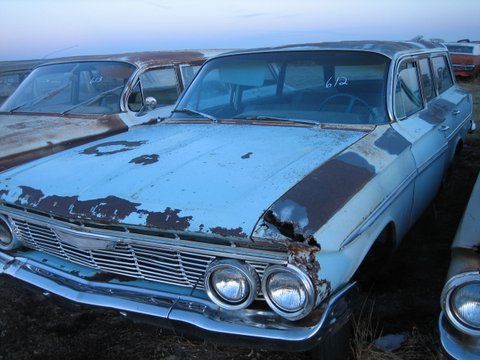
(136, 259)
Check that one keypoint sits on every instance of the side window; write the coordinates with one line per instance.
(160, 84)
(426, 79)
(441, 70)
(135, 100)
(408, 99)
(188, 73)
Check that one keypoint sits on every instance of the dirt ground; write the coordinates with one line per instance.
(405, 299)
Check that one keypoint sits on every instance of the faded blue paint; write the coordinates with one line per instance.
(200, 172)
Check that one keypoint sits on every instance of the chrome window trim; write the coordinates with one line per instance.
(395, 65)
(413, 60)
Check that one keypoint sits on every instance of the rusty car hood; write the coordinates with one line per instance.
(26, 136)
(205, 178)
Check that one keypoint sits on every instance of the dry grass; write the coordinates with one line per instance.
(366, 330)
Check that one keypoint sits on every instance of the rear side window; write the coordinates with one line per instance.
(408, 98)
(426, 79)
(441, 71)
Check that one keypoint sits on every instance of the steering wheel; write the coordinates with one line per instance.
(353, 100)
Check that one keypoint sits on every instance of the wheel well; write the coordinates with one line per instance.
(378, 255)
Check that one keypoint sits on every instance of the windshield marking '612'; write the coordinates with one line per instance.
(316, 86)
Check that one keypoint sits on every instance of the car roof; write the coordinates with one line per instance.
(145, 58)
(390, 49)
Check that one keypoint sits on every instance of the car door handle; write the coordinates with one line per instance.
(444, 128)
(456, 112)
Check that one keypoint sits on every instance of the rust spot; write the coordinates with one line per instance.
(237, 232)
(168, 219)
(29, 195)
(145, 159)
(392, 142)
(247, 155)
(118, 146)
(304, 256)
(307, 206)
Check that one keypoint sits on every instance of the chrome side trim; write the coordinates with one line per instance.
(375, 214)
(455, 131)
(207, 320)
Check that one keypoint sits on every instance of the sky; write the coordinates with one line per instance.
(33, 29)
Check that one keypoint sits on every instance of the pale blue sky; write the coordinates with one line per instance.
(52, 28)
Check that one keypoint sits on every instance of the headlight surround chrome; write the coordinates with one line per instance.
(297, 287)
(460, 291)
(231, 284)
(8, 239)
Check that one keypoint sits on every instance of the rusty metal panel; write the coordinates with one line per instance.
(27, 137)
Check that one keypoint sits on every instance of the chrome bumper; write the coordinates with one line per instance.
(187, 314)
(457, 345)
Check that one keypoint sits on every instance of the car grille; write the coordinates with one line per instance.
(164, 264)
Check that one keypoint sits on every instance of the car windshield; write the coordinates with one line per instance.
(320, 86)
(79, 87)
(462, 49)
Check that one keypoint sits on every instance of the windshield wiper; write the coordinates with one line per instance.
(39, 99)
(92, 99)
(277, 118)
(195, 112)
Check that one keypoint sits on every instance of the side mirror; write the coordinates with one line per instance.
(150, 103)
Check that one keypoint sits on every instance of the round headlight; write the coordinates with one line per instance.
(231, 284)
(8, 240)
(288, 291)
(465, 303)
(461, 302)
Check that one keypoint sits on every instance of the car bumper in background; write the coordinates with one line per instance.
(455, 344)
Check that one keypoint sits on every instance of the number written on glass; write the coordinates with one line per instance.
(338, 81)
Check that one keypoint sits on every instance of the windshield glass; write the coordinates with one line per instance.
(460, 49)
(79, 88)
(329, 87)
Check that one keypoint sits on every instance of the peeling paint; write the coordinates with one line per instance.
(110, 209)
(237, 232)
(111, 147)
(145, 159)
(314, 200)
(247, 155)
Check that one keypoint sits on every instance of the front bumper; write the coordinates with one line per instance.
(186, 314)
(457, 345)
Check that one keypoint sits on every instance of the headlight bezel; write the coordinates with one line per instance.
(455, 283)
(14, 243)
(306, 282)
(246, 270)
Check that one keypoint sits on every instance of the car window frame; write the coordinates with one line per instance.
(430, 66)
(401, 61)
(136, 80)
(446, 56)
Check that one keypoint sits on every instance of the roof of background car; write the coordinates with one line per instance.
(391, 49)
(145, 58)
